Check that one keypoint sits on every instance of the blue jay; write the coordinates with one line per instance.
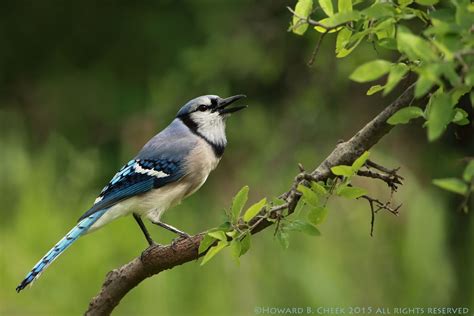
(174, 164)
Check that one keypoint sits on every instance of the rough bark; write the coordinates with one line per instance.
(119, 282)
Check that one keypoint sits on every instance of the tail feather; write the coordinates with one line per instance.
(59, 248)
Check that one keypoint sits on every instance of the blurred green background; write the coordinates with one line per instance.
(84, 85)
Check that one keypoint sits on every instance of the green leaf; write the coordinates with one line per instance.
(309, 196)
(232, 233)
(414, 46)
(219, 235)
(375, 89)
(452, 184)
(302, 226)
(464, 18)
(428, 76)
(310, 230)
(468, 173)
(346, 51)
(338, 19)
(409, 13)
(318, 188)
(405, 3)
(404, 115)
(342, 170)
(344, 5)
(359, 162)
(277, 201)
(327, 7)
(342, 39)
(458, 92)
(224, 227)
(245, 244)
(347, 43)
(371, 70)
(379, 10)
(463, 122)
(317, 215)
(442, 47)
(427, 2)
(253, 210)
(213, 251)
(284, 238)
(350, 192)
(385, 29)
(449, 72)
(388, 43)
(300, 206)
(236, 249)
(302, 9)
(423, 85)
(445, 14)
(397, 72)
(206, 242)
(440, 114)
(460, 117)
(239, 201)
(443, 31)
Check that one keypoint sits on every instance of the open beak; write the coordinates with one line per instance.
(222, 106)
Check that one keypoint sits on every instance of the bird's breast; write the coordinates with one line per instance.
(200, 162)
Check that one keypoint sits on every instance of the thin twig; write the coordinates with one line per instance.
(372, 164)
(316, 49)
(392, 180)
(380, 206)
(372, 220)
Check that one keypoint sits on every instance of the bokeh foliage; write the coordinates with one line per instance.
(83, 85)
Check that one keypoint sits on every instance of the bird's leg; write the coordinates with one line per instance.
(144, 230)
(171, 229)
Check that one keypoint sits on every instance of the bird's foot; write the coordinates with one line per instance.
(181, 236)
(147, 250)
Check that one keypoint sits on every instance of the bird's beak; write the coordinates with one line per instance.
(223, 103)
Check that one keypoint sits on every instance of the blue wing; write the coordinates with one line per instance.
(136, 177)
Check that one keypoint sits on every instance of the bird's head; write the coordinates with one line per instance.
(206, 115)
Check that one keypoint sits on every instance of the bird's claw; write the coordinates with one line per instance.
(148, 249)
(181, 236)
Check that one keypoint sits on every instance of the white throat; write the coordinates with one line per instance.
(211, 126)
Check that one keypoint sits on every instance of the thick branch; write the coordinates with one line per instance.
(120, 281)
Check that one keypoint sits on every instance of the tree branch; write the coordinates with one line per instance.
(393, 180)
(380, 206)
(155, 259)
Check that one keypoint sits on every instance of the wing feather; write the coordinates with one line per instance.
(136, 177)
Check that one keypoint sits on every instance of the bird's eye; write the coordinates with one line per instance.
(203, 108)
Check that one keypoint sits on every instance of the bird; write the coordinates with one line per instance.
(171, 166)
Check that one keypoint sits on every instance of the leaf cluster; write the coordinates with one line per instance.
(431, 40)
(441, 55)
(236, 232)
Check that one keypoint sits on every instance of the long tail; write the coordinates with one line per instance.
(82, 227)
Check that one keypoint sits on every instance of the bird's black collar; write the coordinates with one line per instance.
(193, 127)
